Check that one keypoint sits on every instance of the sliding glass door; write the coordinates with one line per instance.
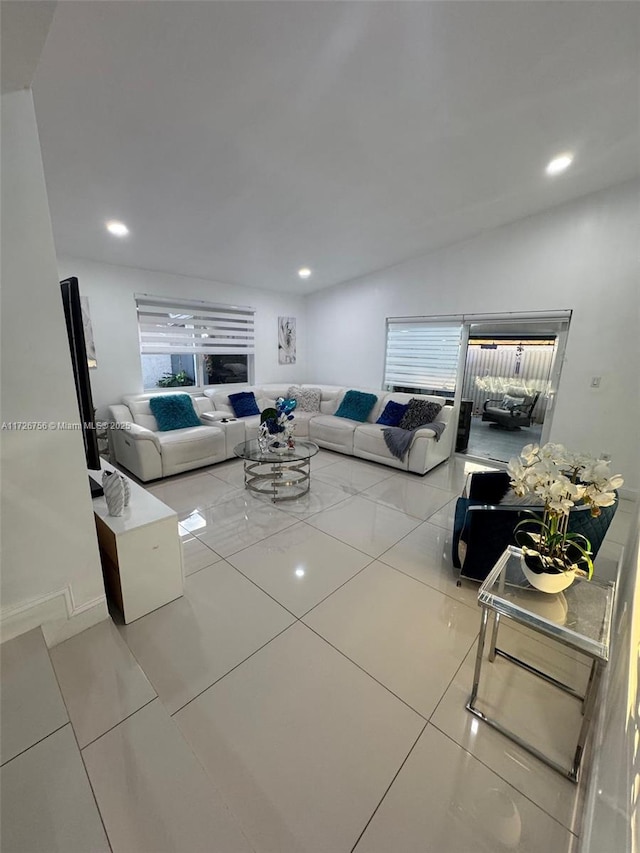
(500, 371)
(511, 375)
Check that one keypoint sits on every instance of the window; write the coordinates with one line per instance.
(422, 355)
(194, 343)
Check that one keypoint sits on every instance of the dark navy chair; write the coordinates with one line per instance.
(485, 528)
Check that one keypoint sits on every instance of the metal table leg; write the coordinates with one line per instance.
(494, 637)
(480, 652)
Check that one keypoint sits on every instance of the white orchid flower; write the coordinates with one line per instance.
(529, 453)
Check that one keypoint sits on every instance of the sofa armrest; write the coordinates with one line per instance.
(120, 414)
(140, 433)
(138, 450)
(212, 418)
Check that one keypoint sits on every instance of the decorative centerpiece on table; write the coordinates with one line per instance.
(560, 479)
(275, 432)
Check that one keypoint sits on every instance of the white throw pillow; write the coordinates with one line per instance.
(509, 402)
(308, 399)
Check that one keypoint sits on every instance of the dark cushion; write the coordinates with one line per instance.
(244, 404)
(489, 487)
(419, 413)
(393, 413)
(356, 406)
(174, 411)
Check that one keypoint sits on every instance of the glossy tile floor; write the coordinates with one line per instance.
(306, 694)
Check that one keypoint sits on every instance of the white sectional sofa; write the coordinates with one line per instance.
(150, 454)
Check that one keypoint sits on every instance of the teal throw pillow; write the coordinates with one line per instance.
(356, 406)
(174, 411)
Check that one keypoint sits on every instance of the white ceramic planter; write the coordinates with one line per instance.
(546, 582)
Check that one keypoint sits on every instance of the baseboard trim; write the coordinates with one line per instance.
(56, 613)
(628, 494)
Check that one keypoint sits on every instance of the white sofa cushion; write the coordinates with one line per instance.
(368, 439)
(301, 423)
(332, 432)
(181, 447)
(331, 398)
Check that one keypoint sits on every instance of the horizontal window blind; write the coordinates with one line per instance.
(177, 327)
(422, 355)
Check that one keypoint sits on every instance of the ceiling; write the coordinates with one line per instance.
(240, 141)
(23, 28)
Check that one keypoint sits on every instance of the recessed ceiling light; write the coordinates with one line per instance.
(559, 164)
(119, 229)
(305, 272)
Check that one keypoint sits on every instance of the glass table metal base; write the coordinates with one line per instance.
(507, 594)
(280, 476)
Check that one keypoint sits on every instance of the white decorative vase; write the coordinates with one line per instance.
(114, 492)
(547, 582)
(127, 490)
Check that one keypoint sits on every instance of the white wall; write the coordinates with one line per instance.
(50, 562)
(111, 290)
(582, 256)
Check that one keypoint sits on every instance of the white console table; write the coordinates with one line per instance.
(140, 551)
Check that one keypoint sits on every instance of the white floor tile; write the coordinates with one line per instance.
(31, 706)
(100, 680)
(462, 807)
(409, 637)
(605, 566)
(543, 715)
(231, 471)
(237, 523)
(195, 554)
(320, 496)
(233, 475)
(188, 644)
(444, 517)
(191, 492)
(425, 554)
(364, 524)
(47, 804)
(153, 794)
(299, 566)
(409, 494)
(324, 458)
(620, 527)
(301, 744)
(354, 474)
(452, 475)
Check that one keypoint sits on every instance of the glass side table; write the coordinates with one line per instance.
(587, 628)
(282, 475)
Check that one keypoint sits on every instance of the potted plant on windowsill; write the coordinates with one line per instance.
(552, 556)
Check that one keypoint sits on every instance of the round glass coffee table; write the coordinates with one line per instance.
(282, 475)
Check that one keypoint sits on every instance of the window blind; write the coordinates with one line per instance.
(422, 355)
(176, 327)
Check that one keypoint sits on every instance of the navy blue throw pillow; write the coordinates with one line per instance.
(393, 413)
(174, 411)
(244, 404)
